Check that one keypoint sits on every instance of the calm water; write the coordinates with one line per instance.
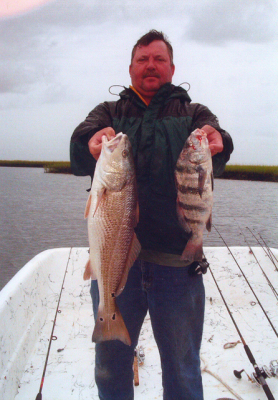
(41, 211)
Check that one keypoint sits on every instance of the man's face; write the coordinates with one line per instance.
(151, 68)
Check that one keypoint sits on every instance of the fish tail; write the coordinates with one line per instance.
(193, 250)
(110, 327)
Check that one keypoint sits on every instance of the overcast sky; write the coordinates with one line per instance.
(59, 58)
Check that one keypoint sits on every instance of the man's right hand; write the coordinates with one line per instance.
(95, 143)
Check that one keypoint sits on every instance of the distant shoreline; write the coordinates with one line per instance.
(55, 167)
(267, 173)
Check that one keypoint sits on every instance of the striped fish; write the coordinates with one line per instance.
(194, 183)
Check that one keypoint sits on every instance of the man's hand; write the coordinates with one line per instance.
(198, 267)
(214, 139)
(95, 143)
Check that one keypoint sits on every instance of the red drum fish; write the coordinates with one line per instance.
(194, 183)
(112, 211)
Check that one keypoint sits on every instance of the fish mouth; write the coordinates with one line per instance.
(113, 143)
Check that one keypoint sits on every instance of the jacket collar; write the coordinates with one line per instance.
(165, 93)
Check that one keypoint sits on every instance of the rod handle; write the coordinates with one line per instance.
(249, 354)
(267, 391)
(135, 369)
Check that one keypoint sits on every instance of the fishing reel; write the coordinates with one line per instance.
(266, 372)
(141, 355)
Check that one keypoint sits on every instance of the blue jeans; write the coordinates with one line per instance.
(175, 302)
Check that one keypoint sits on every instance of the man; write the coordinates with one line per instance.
(157, 117)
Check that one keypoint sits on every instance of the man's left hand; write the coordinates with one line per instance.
(198, 267)
(214, 139)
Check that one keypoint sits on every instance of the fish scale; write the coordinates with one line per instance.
(109, 259)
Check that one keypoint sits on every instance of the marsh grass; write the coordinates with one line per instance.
(21, 163)
(61, 167)
(58, 167)
(267, 173)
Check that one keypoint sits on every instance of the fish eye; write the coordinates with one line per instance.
(124, 153)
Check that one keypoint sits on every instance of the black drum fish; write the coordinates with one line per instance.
(194, 183)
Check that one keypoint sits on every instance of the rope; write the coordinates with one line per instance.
(205, 369)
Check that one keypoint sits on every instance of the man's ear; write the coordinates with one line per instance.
(173, 69)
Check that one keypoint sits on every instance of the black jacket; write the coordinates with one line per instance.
(157, 134)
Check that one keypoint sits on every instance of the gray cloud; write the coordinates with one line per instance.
(32, 45)
(18, 76)
(59, 60)
(217, 22)
(206, 20)
(36, 47)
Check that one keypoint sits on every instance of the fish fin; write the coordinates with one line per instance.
(201, 179)
(110, 327)
(88, 205)
(137, 214)
(134, 250)
(182, 218)
(100, 195)
(212, 181)
(193, 250)
(88, 273)
(209, 223)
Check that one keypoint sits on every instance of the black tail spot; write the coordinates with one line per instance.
(101, 319)
(114, 317)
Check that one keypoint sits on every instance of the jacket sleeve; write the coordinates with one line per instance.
(203, 116)
(82, 162)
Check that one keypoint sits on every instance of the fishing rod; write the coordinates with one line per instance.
(268, 249)
(252, 290)
(264, 274)
(260, 244)
(258, 372)
(268, 254)
(39, 395)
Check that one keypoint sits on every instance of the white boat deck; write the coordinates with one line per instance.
(28, 305)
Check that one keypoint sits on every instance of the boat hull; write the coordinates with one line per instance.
(28, 304)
